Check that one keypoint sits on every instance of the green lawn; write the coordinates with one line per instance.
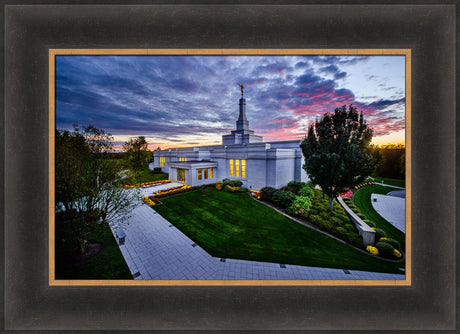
(362, 200)
(233, 225)
(392, 182)
(108, 264)
(145, 176)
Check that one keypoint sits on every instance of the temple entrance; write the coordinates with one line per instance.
(181, 175)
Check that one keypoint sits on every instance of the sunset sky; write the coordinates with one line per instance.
(177, 101)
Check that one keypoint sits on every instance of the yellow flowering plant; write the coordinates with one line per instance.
(397, 253)
(146, 184)
(255, 193)
(372, 250)
(148, 201)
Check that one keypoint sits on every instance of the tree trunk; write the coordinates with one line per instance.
(82, 244)
(331, 203)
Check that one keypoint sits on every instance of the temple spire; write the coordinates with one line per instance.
(242, 89)
(242, 134)
(242, 124)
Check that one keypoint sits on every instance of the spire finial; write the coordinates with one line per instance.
(242, 89)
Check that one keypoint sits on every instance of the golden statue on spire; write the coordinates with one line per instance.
(242, 89)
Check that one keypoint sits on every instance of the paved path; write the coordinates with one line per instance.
(155, 249)
(154, 189)
(392, 208)
(397, 193)
(388, 185)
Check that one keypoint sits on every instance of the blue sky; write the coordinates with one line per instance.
(179, 101)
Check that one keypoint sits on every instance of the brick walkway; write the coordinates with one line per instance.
(155, 249)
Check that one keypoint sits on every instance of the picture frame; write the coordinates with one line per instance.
(31, 303)
(405, 279)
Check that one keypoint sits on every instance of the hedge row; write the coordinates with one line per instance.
(335, 222)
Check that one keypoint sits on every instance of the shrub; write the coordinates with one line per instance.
(157, 169)
(325, 225)
(296, 186)
(340, 232)
(315, 219)
(266, 193)
(231, 189)
(393, 242)
(218, 185)
(299, 206)
(343, 217)
(292, 190)
(372, 250)
(379, 233)
(385, 249)
(369, 223)
(352, 206)
(360, 215)
(397, 254)
(306, 191)
(350, 227)
(336, 221)
(243, 190)
(348, 200)
(231, 183)
(283, 198)
(321, 223)
(354, 238)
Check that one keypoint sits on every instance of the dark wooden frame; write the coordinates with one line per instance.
(30, 31)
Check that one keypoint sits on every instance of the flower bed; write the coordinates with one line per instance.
(153, 199)
(171, 190)
(347, 194)
(150, 200)
(365, 184)
(147, 184)
(255, 193)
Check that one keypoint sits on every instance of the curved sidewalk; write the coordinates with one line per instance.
(155, 249)
(391, 208)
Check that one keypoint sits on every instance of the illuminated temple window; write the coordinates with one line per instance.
(237, 167)
(200, 174)
(205, 173)
(231, 167)
(183, 159)
(210, 173)
(181, 175)
(162, 161)
(243, 168)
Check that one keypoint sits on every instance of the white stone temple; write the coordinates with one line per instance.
(242, 156)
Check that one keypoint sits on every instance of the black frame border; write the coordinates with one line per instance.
(30, 30)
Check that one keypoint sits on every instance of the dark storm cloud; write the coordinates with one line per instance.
(170, 97)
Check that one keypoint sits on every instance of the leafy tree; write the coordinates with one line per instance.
(402, 164)
(392, 163)
(86, 183)
(337, 153)
(137, 154)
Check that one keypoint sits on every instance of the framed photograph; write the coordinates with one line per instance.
(91, 65)
(230, 240)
